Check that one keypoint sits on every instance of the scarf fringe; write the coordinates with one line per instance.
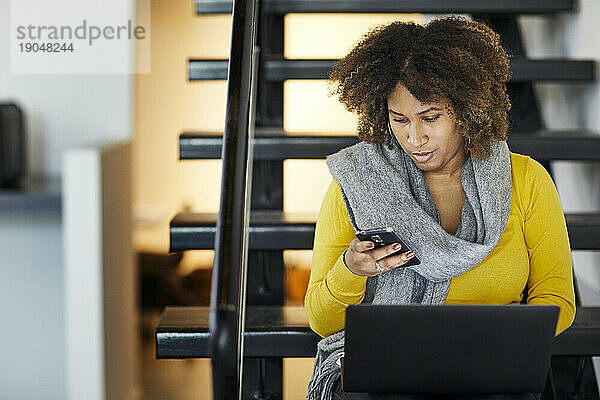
(326, 369)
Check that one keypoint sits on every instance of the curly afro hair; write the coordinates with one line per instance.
(451, 60)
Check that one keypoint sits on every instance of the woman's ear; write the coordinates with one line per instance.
(467, 144)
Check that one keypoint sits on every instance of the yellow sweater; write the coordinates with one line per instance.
(534, 250)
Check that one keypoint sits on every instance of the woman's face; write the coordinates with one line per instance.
(426, 132)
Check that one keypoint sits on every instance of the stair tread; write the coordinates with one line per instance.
(268, 218)
(276, 70)
(283, 331)
(269, 230)
(258, 218)
(275, 144)
(275, 230)
(395, 6)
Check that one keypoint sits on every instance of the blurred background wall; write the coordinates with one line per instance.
(61, 111)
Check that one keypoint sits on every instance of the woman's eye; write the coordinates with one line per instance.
(431, 119)
(401, 120)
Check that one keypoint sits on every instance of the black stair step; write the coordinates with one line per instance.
(584, 230)
(194, 146)
(271, 331)
(396, 6)
(274, 230)
(275, 331)
(275, 145)
(523, 70)
(269, 230)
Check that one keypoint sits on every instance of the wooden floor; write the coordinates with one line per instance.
(191, 379)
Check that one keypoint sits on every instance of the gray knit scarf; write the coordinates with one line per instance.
(383, 187)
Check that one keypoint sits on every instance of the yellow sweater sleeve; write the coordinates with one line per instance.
(332, 285)
(550, 265)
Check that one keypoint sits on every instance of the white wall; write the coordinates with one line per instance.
(101, 343)
(61, 111)
(31, 307)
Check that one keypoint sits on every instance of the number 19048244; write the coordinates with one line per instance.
(46, 47)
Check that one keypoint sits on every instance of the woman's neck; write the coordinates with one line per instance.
(450, 173)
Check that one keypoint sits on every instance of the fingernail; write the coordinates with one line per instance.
(397, 246)
(370, 245)
(410, 255)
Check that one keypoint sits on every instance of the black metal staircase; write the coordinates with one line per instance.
(278, 70)
(274, 145)
(274, 331)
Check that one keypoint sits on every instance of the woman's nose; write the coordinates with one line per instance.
(416, 135)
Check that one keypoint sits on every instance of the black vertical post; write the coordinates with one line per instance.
(263, 377)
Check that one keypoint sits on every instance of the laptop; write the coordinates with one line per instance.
(448, 348)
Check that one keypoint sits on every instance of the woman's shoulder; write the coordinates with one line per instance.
(530, 179)
(525, 169)
(333, 212)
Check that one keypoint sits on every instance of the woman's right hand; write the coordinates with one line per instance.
(362, 259)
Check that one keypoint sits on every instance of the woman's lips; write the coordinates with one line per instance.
(423, 156)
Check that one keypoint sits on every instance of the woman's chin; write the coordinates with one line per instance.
(426, 166)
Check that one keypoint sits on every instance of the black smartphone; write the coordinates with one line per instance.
(385, 236)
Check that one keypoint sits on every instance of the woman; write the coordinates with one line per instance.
(433, 164)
